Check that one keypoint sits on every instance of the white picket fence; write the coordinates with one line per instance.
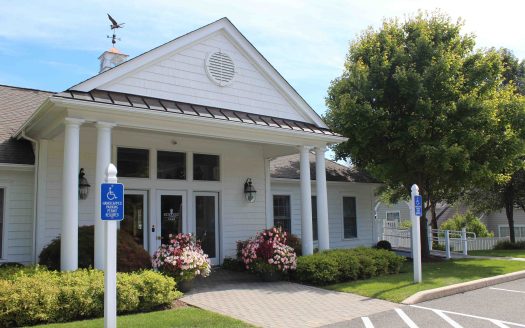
(401, 238)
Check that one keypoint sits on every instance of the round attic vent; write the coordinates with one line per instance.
(220, 68)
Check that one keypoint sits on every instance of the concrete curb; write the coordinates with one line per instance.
(427, 295)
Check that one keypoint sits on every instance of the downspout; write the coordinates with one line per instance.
(35, 189)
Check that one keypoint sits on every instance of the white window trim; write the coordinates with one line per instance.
(289, 194)
(507, 226)
(3, 255)
(343, 217)
(398, 212)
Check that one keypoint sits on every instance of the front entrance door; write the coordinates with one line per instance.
(171, 216)
(135, 220)
(207, 223)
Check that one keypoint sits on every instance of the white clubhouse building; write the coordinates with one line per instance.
(187, 124)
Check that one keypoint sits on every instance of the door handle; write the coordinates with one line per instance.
(159, 237)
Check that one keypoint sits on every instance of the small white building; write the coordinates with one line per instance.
(187, 124)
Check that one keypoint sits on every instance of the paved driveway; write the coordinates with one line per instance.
(496, 306)
(280, 304)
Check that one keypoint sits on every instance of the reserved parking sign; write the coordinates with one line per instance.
(112, 201)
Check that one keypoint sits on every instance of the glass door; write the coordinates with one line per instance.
(207, 223)
(171, 216)
(135, 215)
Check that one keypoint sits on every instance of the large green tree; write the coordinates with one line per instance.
(420, 105)
(507, 193)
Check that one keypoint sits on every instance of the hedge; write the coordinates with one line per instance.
(346, 264)
(507, 245)
(131, 256)
(34, 295)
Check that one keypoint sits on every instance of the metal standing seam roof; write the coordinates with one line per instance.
(181, 108)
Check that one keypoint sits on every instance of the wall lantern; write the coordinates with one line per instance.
(249, 191)
(83, 185)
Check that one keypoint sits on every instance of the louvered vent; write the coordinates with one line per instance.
(220, 68)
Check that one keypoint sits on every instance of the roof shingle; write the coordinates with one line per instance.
(16, 106)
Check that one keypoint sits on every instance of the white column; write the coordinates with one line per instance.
(69, 234)
(322, 200)
(306, 203)
(268, 193)
(103, 160)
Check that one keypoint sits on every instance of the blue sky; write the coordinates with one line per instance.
(52, 45)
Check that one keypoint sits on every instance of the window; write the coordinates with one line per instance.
(206, 167)
(2, 214)
(281, 213)
(171, 165)
(349, 218)
(133, 163)
(393, 216)
(519, 230)
(314, 216)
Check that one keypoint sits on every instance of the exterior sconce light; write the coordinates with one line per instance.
(83, 185)
(249, 191)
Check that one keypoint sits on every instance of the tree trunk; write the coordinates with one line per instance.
(423, 228)
(434, 220)
(509, 210)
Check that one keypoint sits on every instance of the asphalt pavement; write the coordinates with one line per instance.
(500, 305)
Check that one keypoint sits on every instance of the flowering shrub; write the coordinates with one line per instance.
(268, 252)
(183, 258)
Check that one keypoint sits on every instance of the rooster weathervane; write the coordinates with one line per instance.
(114, 25)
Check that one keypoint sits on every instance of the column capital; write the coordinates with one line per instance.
(108, 125)
(321, 149)
(305, 147)
(73, 121)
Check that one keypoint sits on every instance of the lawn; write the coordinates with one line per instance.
(500, 253)
(398, 287)
(181, 317)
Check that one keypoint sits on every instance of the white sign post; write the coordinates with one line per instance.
(111, 211)
(415, 213)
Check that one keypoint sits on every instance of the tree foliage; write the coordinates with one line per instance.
(469, 221)
(420, 105)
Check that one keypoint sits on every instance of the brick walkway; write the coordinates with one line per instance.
(280, 304)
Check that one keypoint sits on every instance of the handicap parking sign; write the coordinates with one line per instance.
(112, 201)
(418, 205)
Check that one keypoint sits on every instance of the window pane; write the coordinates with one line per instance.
(133, 163)
(504, 231)
(281, 213)
(392, 216)
(314, 216)
(349, 217)
(171, 165)
(134, 222)
(171, 216)
(2, 206)
(206, 167)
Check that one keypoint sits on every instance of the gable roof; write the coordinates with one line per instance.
(225, 25)
(180, 108)
(287, 167)
(16, 105)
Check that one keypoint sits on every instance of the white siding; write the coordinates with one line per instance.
(239, 219)
(364, 194)
(182, 76)
(497, 218)
(18, 216)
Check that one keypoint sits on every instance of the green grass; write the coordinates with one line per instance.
(398, 287)
(181, 317)
(500, 253)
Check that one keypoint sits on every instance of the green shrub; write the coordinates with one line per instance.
(295, 242)
(405, 224)
(35, 295)
(506, 244)
(469, 221)
(233, 264)
(130, 255)
(346, 264)
(384, 244)
(317, 269)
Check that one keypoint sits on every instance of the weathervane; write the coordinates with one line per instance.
(114, 25)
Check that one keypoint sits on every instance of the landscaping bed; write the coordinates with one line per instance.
(33, 295)
(398, 287)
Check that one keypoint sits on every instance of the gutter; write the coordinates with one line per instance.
(35, 190)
